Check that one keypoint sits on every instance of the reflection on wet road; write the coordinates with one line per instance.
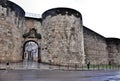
(115, 77)
(46, 75)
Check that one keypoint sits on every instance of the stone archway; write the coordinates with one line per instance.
(31, 51)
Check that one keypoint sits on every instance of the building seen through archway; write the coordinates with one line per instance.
(30, 51)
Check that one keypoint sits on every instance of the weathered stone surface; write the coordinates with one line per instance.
(62, 40)
(113, 46)
(59, 34)
(10, 35)
(30, 23)
(95, 47)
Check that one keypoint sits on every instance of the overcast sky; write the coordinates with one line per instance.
(102, 16)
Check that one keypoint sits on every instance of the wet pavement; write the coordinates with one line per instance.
(58, 75)
(26, 65)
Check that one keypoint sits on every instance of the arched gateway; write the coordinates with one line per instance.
(31, 51)
(31, 46)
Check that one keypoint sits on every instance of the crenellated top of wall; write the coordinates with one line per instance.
(62, 11)
(14, 7)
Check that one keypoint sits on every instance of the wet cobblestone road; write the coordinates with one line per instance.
(56, 75)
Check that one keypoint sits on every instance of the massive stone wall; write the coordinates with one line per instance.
(113, 46)
(95, 47)
(62, 37)
(10, 31)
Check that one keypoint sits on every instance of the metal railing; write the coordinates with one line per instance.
(75, 67)
(85, 67)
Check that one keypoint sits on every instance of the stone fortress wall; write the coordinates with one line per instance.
(11, 24)
(64, 39)
(113, 47)
(95, 47)
(62, 36)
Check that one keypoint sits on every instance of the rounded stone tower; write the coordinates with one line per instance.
(62, 37)
(11, 19)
